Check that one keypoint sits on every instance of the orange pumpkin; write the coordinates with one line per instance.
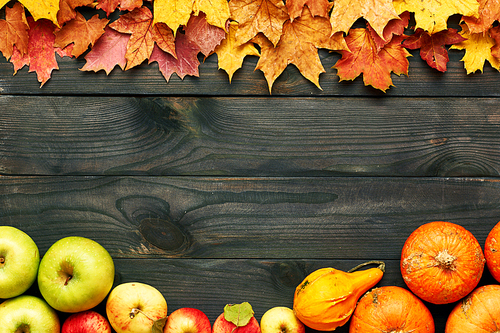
(492, 252)
(478, 312)
(327, 297)
(441, 262)
(391, 309)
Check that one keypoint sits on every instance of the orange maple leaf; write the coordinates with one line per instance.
(489, 12)
(375, 64)
(109, 6)
(81, 33)
(254, 16)
(317, 7)
(432, 46)
(14, 31)
(377, 12)
(299, 45)
(67, 10)
(230, 54)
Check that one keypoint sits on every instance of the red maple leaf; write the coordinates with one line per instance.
(108, 52)
(81, 33)
(187, 62)
(14, 31)
(495, 34)
(393, 28)
(109, 6)
(366, 58)
(432, 46)
(205, 36)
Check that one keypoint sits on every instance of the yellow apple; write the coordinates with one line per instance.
(133, 307)
(281, 319)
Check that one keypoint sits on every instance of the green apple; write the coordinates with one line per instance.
(28, 313)
(19, 260)
(75, 274)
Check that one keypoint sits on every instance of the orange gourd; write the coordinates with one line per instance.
(441, 262)
(326, 298)
(492, 252)
(391, 309)
(478, 312)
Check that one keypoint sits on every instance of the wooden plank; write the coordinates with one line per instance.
(236, 218)
(147, 80)
(56, 135)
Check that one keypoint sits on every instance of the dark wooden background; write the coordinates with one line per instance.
(220, 193)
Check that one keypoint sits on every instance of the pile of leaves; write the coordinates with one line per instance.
(177, 33)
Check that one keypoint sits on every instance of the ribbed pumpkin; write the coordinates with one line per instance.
(391, 309)
(492, 252)
(327, 297)
(478, 312)
(441, 262)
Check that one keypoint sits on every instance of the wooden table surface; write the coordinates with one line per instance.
(218, 193)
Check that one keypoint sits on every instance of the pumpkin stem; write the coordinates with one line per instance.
(381, 265)
(445, 260)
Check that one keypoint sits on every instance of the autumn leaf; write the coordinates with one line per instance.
(432, 46)
(489, 12)
(377, 12)
(14, 31)
(495, 34)
(230, 54)
(42, 9)
(204, 35)
(316, 7)
(81, 33)
(187, 62)
(375, 64)
(108, 52)
(164, 38)
(67, 9)
(477, 48)
(109, 6)
(395, 27)
(238, 314)
(299, 46)
(41, 56)
(216, 11)
(138, 23)
(432, 15)
(174, 13)
(254, 16)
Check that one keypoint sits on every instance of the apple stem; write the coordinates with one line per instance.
(135, 311)
(2, 260)
(67, 280)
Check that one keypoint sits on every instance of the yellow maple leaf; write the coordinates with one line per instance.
(230, 53)
(3, 3)
(377, 12)
(432, 15)
(477, 50)
(173, 13)
(216, 11)
(46, 9)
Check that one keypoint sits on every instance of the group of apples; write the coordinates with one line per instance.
(76, 274)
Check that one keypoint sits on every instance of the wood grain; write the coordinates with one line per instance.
(147, 80)
(56, 135)
(237, 218)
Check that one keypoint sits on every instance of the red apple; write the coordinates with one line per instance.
(281, 319)
(221, 325)
(187, 320)
(86, 322)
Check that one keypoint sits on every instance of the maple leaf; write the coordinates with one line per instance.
(81, 33)
(109, 6)
(230, 54)
(316, 7)
(205, 36)
(174, 13)
(138, 23)
(377, 12)
(41, 56)
(489, 12)
(477, 48)
(495, 34)
(67, 10)
(432, 46)
(375, 64)
(187, 62)
(164, 38)
(299, 46)
(216, 11)
(432, 15)
(14, 31)
(42, 9)
(108, 52)
(254, 16)
(395, 27)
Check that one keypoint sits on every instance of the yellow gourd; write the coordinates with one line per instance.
(327, 297)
